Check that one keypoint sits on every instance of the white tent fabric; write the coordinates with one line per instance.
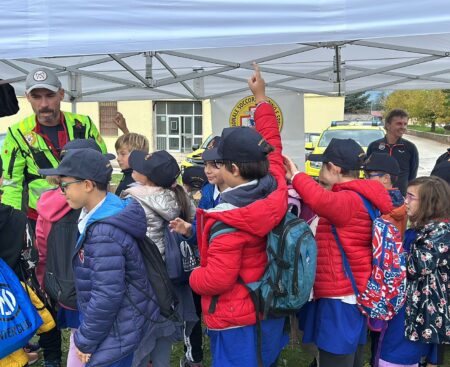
(138, 49)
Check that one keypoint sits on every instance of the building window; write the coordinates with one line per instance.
(107, 112)
(178, 125)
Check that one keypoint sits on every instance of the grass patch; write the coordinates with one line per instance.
(426, 129)
(291, 356)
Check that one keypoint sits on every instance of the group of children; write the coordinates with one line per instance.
(116, 321)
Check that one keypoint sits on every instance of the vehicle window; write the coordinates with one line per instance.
(206, 142)
(362, 137)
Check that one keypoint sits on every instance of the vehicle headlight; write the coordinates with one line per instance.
(190, 160)
(316, 165)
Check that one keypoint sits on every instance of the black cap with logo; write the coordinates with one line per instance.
(159, 167)
(195, 177)
(238, 144)
(86, 164)
(382, 162)
(84, 144)
(344, 153)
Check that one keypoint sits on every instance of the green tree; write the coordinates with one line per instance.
(425, 106)
(357, 103)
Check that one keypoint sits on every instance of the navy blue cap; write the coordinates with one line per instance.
(344, 153)
(214, 142)
(382, 162)
(238, 144)
(159, 167)
(85, 144)
(195, 177)
(86, 164)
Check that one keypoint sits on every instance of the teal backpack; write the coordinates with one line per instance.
(289, 275)
(290, 271)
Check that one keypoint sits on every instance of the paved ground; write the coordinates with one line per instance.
(429, 150)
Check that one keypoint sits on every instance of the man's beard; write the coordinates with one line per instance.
(48, 118)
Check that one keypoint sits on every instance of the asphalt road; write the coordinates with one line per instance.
(429, 151)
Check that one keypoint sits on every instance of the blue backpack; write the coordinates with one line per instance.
(290, 271)
(19, 319)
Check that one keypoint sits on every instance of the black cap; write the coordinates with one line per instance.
(442, 170)
(344, 153)
(214, 142)
(87, 164)
(382, 162)
(195, 177)
(238, 144)
(159, 167)
(85, 144)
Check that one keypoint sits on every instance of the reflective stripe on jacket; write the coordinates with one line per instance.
(25, 151)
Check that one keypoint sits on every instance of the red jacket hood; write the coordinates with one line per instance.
(372, 190)
(52, 205)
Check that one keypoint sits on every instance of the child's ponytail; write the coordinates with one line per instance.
(183, 201)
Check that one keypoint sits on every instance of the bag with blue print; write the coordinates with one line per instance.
(385, 292)
(19, 319)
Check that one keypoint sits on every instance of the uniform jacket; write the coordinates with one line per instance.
(343, 207)
(240, 254)
(26, 150)
(427, 302)
(115, 298)
(160, 206)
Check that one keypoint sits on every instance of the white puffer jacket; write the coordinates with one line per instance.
(160, 206)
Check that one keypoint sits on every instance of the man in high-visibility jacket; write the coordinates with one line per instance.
(36, 142)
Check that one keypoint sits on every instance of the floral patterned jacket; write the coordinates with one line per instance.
(427, 305)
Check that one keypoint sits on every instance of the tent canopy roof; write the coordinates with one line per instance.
(106, 50)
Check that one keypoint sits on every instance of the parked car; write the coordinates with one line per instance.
(195, 158)
(363, 132)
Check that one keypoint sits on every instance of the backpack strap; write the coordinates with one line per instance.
(373, 213)
(217, 229)
(347, 268)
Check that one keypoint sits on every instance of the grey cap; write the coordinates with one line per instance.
(42, 78)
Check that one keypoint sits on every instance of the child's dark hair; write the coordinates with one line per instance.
(183, 201)
(249, 170)
(352, 173)
(434, 196)
(101, 186)
(252, 170)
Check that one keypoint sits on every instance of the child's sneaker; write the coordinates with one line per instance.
(30, 348)
(185, 363)
(33, 357)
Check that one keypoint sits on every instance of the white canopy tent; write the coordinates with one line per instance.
(108, 50)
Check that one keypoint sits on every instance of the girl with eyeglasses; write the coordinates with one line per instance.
(423, 323)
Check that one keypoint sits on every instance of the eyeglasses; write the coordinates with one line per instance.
(370, 175)
(63, 185)
(410, 197)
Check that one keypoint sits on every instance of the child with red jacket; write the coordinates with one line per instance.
(335, 323)
(254, 204)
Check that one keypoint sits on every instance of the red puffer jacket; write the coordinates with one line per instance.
(242, 253)
(343, 207)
